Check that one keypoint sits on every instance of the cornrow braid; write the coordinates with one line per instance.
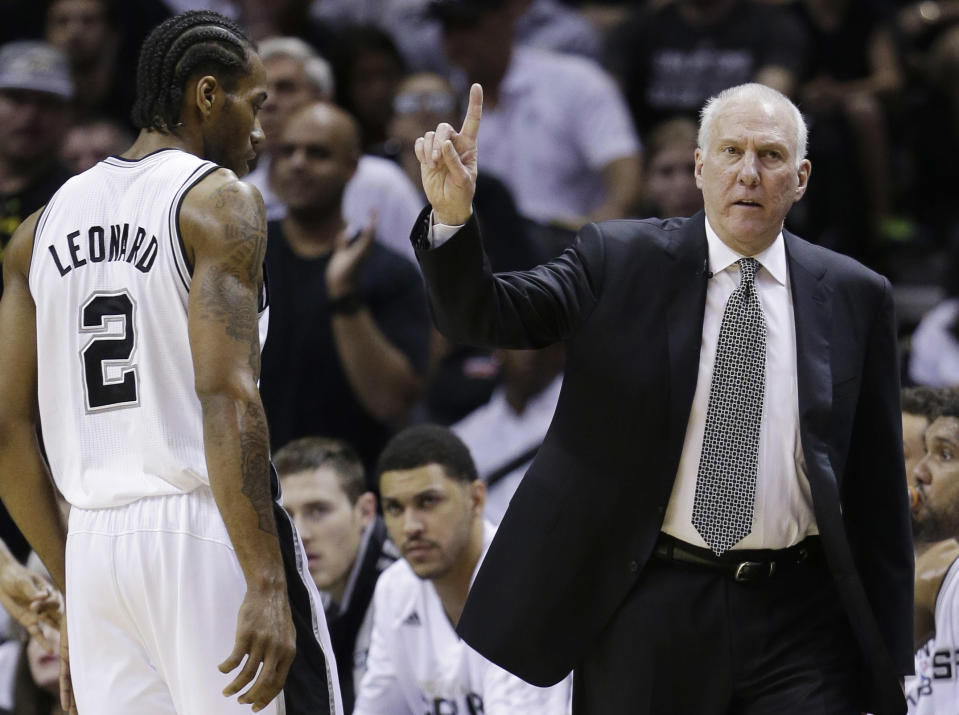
(192, 42)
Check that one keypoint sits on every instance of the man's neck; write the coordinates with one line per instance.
(312, 236)
(455, 585)
(151, 140)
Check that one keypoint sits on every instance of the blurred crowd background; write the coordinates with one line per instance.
(590, 114)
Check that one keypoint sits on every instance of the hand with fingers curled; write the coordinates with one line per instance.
(448, 164)
(266, 638)
(29, 598)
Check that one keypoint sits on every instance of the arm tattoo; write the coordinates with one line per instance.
(226, 294)
(255, 461)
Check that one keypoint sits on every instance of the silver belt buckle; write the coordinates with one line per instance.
(751, 570)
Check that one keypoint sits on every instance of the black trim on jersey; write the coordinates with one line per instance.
(307, 690)
(145, 156)
(186, 187)
(265, 293)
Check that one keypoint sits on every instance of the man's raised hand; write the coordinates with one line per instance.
(448, 164)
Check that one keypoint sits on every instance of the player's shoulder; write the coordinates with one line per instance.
(221, 199)
(222, 188)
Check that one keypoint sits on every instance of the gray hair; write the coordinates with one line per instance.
(759, 93)
(317, 70)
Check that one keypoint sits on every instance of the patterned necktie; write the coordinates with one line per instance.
(726, 481)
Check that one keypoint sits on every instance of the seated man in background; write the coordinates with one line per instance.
(433, 507)
(324, 491)
(504, 434)
(670, 170)
(920, 406)
(935, 687)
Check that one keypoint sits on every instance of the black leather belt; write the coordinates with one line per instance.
(742, 566)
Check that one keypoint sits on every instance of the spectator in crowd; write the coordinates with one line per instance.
(349, 332)
(86, 32)
(504, 434)
(325, 493)
(284, 18)
(433, 506)
(35, 91)
(367, 67)
(851, 68)
(36, 680)
(934, 688)
(670, 57)
(932, 133)
(90, 141)
(934, 349)
(670, 182)
(556, 130)
(297, 75)
(461, 377)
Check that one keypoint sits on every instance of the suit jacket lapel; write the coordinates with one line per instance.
(686, 305)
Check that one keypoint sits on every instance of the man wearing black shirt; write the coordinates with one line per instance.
(349, 331)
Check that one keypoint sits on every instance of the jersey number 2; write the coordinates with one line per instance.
(109, 375)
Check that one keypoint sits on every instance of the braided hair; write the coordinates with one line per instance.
(192, 42)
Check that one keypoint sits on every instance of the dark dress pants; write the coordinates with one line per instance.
(691, 641)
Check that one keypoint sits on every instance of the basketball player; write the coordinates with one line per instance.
(433, 507)
(935, 687)
(137, 291)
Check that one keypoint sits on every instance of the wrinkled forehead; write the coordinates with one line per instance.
(754, 118)
(944, 429)
(406, 484)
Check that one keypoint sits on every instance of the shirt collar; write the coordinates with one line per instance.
(721, 256)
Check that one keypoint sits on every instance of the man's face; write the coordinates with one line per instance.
(85, 145)
(672, 182)
(748, 174)
(429, 516)
(422, 102)
(79, 29)
(913, 443)
(936, 517)
(481, 48)
(289, 90)
(314, 160)
(31, 124)
(330, 526)
(234, 132)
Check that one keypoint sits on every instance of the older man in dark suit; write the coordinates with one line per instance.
(717, 520)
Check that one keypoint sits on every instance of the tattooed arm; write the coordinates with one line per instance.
(223, 223)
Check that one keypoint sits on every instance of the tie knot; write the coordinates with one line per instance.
(747, 271)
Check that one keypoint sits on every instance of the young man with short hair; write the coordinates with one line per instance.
(433, 507)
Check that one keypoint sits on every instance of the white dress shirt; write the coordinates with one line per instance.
(783, 513)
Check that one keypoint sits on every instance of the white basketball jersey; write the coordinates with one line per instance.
(934, 689)
(121, 419)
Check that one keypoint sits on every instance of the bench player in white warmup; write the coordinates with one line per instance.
(433, 506)
(130, 326)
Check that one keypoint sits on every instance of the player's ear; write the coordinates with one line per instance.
(477, 490)
(365, 508)
(205, 94)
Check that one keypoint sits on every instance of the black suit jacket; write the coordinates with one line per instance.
(628, 298)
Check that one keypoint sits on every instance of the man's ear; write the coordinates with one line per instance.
(205, 94)
(478, 496)
(804, 172)
(366, 508)
(698, 171)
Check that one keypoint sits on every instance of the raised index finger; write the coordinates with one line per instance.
(474, 112)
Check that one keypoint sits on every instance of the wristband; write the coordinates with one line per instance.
(347, 304)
